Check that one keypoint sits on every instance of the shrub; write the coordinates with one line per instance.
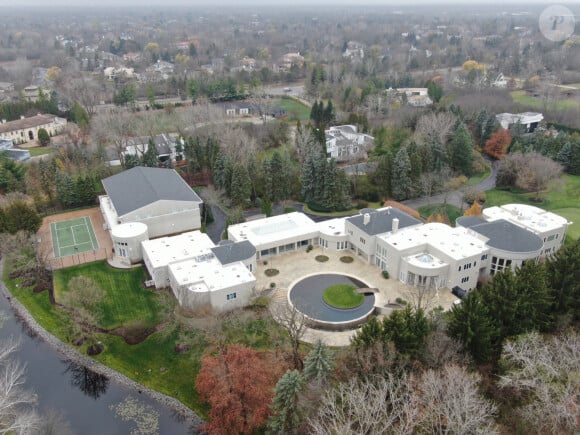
(310, 248)
(347, 259)
(43, 137)
(271, 272)
(321, 258)
(385, 274)
(272, 285)
(289, 209)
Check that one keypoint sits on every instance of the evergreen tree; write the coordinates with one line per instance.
(151, 156)
(462, 150)
(43, 137)
(563, 271)
(408, 330)
(286, 413)
(20, 216)
(383, 175)
(471, 323)
(66, 193)
(318, 364)
(240, 185)
(308, 179)
(130, 161)
(328, 115)
(401, 179)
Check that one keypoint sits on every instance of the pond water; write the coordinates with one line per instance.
(306, 296)
(88, 401)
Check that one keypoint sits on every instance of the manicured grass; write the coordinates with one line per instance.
(563, 198)
(341, 213)
(295, 110)
(522, 98)
(452, 211)
(40, 151)
(126, 298)
(342, 296)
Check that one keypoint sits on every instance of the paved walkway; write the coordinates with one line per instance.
(296, 265)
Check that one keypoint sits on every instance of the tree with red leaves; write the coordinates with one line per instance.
(239, 386)
(497, 145)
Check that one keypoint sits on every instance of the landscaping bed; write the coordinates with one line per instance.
(342, 296)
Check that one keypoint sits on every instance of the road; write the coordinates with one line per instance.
(456, 197)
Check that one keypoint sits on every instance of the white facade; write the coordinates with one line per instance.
(528, 120)
(277, 234)
(127, 240)
(344, 142)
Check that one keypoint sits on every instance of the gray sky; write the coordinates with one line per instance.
(280, 3)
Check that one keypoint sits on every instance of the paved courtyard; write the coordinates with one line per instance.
(296, 265)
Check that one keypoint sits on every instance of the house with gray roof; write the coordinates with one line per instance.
(345, 143)
(157, 197)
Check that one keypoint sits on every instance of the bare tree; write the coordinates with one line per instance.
(368, 407)
(546, 371)
(17, 413)
(294, 323)
(435, 128)
(451, 403)
(537, 173)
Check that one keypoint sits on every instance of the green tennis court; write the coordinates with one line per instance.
(73, 237)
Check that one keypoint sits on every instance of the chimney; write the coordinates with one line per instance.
(366, 218)
(395, 225)
(22, 116)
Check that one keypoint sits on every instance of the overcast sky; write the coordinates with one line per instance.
(279, 3)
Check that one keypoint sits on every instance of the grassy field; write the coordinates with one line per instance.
(342, 296)
(295, 111)
(522, 98)
(40, 151)
(126, 299)
(563, 199)
(451, 211)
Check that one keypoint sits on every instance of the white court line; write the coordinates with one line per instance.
(90, 227)
(57, 244)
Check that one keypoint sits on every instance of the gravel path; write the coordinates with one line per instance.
(71, 354)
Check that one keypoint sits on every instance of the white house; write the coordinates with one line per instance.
(157, 197)
(343, 142)
(24, 130)
(528, 120)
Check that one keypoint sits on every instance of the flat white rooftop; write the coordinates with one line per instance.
(456, 243)
(333, 227)
(167, 250)
(527, 216)
(274, 230)
(210, 274)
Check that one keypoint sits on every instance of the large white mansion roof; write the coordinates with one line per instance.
(210, 275)
(332, 227)
(532, 218)
(456, 243)
(167, 250)
(274, 229)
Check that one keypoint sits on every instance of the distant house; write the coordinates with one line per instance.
(111, 73)
(289, 59)
(500, 81)
(156, 197)
(528, 120)
(416, 97)
(32, 93)
(344, 143)
(26, 129)
(354, 51)
(137, 146)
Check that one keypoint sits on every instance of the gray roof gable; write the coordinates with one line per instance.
(232, 252)
(138, 187)
(381, 221)
(507, 236)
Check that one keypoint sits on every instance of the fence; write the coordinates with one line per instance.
(80, 258)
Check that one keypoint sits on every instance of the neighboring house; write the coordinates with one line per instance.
(248, 108)
(26, 129)
(164, 143)
(416, 97)
(344, 143)
(32, 93)
(6, 147)
(289, 59)
(111, 73)
(528, 120)
(500, 81)
(354, 51)
(156, 197)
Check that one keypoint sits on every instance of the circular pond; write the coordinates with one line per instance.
(306, 296)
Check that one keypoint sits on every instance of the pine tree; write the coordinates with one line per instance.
(240, 185)
(151, 156)
(401, 179)
(383, 175)
(318, 364)
(563, 270)
(286, 413)
(462, 150)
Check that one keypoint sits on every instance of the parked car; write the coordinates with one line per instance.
(459, 292)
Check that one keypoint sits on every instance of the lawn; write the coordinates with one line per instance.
(522, 98)
(451, 211)
(126, 299)
(342, 296)
(40, 151)
(295, 110)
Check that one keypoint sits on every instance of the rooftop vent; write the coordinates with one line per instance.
(366, 218)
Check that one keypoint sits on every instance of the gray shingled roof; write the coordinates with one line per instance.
(506, 236)
(137, 187)
(232, 252)
(381, 221)
(469, 221)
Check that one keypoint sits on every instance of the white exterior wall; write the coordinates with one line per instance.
(243, 291)
(158, 274)
(167, 217)
(516, 258)
(128, 249)
(363, 244)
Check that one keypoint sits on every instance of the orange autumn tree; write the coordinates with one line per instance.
(497, 145)
(239, 386)
(474, 210)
